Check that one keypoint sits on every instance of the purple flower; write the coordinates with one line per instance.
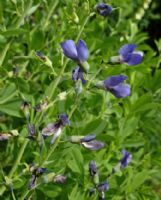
(31, 131)
(78, 53)
(92, 168)
(40, 171)
(129, 56)
(56, 127)
(60, 179)
(126, 159)
(102, 187)
(103, 9)
(88, 138)
(32, 182)
(93, 145)
(36, 172)
(78, 74)
(63, 119)
(89, 142)
(115, 85)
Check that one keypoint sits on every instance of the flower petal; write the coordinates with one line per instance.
(78, 74)
(88, 138)
(57, 133)
(113, 81)
(93, 145)
(63, 119)
(121, 90)
(92, 168)
(60, 179)
(134, 58)
(103, 186)
(126, 49)
(69, 49)
(49, 129)
(126, 158)
(82, 51)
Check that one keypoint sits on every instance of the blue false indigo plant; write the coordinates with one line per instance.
(78, 53)
(78, 78)
(92, 168)
(88, 142)
(77, 74)
(36, 172)
(127, 55)
(56, 127)
(102, 187)
(60, 179)
(126, 159)
(103, 9)
(115, 85)
(31, 131)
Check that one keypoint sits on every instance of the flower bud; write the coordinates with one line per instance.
(78, 86)
(60, 179)
(48, 178)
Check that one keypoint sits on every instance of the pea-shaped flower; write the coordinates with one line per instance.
(102, 188)
(88, 142)
(77, 74)
(103, 9)
(92, 168)
(126, 159)
(78, 53)
(128, 55)
(55, 128)
(115, 85)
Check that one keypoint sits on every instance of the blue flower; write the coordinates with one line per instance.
(115, 85)
(78, 74)
(88, 138)
(31, 131)
(129, 56)
(102, 187)
(103, 9)
(93, 145)
(87, 141)
(78, 53)
(36, 172)
(56, 127)
(126, 159)
(92, 168)
(63, 119)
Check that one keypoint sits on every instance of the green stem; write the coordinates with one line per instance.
(90, 81)
(3, 188)
(58, 80)
(82, 28)
(18, 158)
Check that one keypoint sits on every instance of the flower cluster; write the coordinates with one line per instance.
(102, 187)
(113, 84)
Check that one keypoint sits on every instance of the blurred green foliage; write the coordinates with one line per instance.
(132, 123)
